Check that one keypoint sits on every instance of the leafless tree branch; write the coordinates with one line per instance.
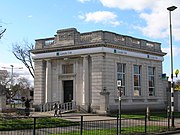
(2, 32)
(22, 52)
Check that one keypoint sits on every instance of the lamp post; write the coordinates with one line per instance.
(11, 82)
(170, 9)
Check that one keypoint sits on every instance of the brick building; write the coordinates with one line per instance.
(85, 67)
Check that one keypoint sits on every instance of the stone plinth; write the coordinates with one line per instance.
(104, 102)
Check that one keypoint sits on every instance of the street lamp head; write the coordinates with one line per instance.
(172, 8)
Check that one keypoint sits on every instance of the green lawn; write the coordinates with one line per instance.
(27, 123)
(155, 116)
(113, 131)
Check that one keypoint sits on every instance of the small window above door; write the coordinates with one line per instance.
(67, 68)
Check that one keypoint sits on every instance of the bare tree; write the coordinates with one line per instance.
(21, 88)
(25, 87)
(22, 52)
(2, 32)
(5, 84)
(4, 80)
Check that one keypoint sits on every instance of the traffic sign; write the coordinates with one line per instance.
(118, 83)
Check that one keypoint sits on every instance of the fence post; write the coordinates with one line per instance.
(34, 126)
(120, 122)
(145, 125)
(81, 125)
(148, 113)
(168, 115)
(117, 127)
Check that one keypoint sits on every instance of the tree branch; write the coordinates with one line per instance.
(22, 53)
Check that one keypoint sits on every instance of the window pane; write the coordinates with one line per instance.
(119, 67)
(136, 80)
(151, 81)
(151, 78)
(137, 91)
(124, 68)
(139, 82)
(151, 91)
(136, 69)
(150, 70)
(123, 80)
(121, 75)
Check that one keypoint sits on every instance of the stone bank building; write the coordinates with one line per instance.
(85, 67)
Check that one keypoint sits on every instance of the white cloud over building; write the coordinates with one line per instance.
(104, 17)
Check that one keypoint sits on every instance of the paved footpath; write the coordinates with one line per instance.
(177, 123)
(74, 116)
(86, 116)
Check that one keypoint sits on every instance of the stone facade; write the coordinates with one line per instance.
(83, 67)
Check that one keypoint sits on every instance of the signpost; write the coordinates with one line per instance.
(119, 90)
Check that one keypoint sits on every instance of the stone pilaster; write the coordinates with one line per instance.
(39, 82)
(97, 79)
(86, 89)
(48, 93)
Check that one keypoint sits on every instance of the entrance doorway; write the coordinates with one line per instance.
(68, 90)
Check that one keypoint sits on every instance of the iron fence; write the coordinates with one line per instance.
(130, 124)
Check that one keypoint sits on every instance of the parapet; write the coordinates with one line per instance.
(71, 37)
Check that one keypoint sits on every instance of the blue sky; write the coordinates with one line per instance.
(34, 19)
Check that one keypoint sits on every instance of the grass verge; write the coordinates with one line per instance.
(28, 123)
(113, 131)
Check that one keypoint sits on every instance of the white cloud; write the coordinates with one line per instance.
(127, 4)
(176, 33)
(30, 16)
(104, 17)
(156, 26)
(83, 1)
(19, 69)
(176, 51)
(156, 17)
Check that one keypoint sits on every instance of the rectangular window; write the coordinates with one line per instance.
(151, 79)
(137, 80)
(121, 68)
(67, 69)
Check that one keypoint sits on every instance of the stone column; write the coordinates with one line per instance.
(48, 92)
(85, 93)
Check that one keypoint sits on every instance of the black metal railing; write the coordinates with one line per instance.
(65, 107)
(57, 125)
